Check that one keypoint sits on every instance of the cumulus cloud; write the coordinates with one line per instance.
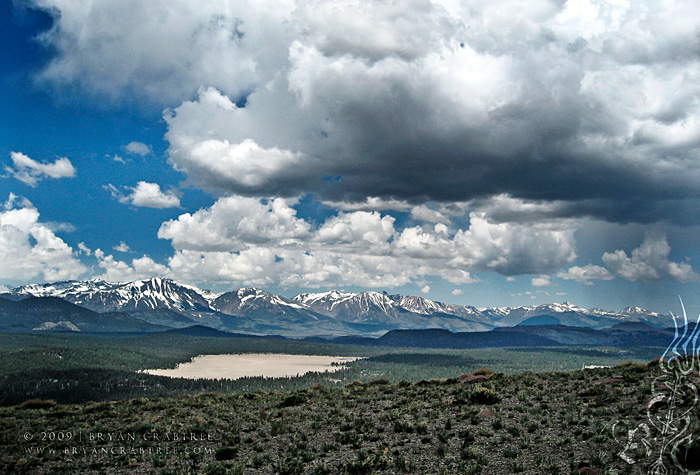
(506, 248)
(165, 49)
(425, 289)
(586, 274)
(244, 164)
(29, 249)
(592, 107)
(361, 230)
(30, 172)
(649, 262)
(541, 281)
(147, 195)
(495, 126)
(122, 247)
(138, 148)
(371, 203)
(453, 105)
(363, 248)
(114, 270)
(424, 213)
(233, 223)
(457, 292)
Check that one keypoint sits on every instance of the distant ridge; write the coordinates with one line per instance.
(201, 330)
(521, 336)
(168, 304)
(55, 314)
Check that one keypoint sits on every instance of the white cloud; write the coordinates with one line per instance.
(489, 122)
(121, 271)
(122, 247)
(368, 231)
(412, 101)
(261, 266)
(649, 262)
(586, 274)
(84, 249)
(61, 227)
(245, 164)
(371, 203)
(30, 172)
(147, 195)
(541, 281)
(164, 49)
(425, 289)
(457, 292)
(233, 223)
(423, 213)
(266, 241)
(30, 250)
(452, 104)
(506, 248)
(138, 148)
(505, 208)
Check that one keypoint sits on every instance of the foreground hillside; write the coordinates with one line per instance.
(550, 423)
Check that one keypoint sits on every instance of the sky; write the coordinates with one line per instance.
(477, 153)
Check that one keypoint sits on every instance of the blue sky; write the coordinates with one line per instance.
(451, 150)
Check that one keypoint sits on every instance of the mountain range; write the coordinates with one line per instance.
(161, 303)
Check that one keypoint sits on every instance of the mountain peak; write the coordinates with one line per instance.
(636, 311)
(368, 312)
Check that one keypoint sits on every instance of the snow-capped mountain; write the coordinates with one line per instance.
(641, 313)
(140, 295)
(359, 308)
(383, 311)
(249, 300)
(166, 302)
(427, 307)
(567, 314)
(259, 311)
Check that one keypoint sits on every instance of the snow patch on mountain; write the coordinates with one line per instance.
(57, 326)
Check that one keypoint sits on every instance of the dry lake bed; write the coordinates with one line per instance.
(241, 366)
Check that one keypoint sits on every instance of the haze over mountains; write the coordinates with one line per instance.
(156, 304)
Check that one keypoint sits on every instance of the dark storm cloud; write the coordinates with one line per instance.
(594, 106)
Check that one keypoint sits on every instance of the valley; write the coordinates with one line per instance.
(417, 386)
(484, 422)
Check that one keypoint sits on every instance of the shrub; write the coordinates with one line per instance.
(484, 372)
(482, 395)
(292, 400)
(37, 404)
(226, 453)
(511, 453)
(497, 424)
(403, 465)
(402, 426)
(289, 467)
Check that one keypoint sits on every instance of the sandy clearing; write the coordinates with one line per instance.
(258, 364)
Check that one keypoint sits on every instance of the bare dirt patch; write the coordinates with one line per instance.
(248, 365)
